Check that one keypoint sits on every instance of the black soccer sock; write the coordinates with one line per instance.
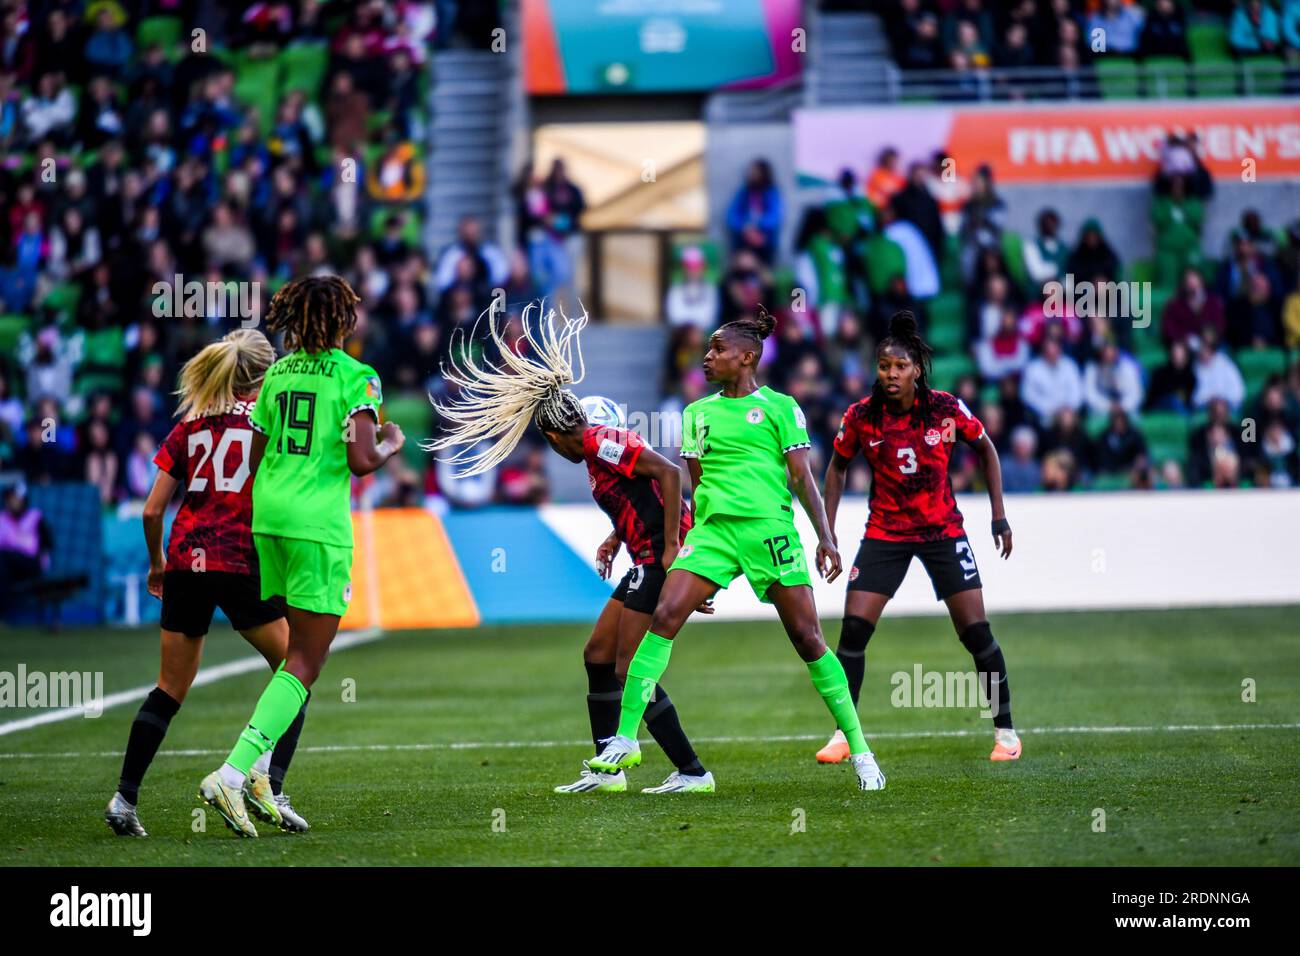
(147, 732)
(604, 697)
(282, 756)
(665, 727)
(979, 640)
(852, 651)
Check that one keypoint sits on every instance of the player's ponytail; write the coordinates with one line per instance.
(211, 381)
(905, 336)
(755, 328)
(494, 404)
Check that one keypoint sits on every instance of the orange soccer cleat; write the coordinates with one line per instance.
(1006, 746)
(836, 749)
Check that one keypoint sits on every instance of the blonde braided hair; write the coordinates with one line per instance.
(496, 403)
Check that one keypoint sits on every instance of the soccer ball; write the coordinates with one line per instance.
(603, 413)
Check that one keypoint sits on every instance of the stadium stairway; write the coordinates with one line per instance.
(849, 53)
(623, 363)
(469, 141)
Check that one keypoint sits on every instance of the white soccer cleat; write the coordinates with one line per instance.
(259, 798)
(290, 819)
(870, 776)
(592, 782)
(684, 783)
(121, 816)
(227, 801)
(620, 753)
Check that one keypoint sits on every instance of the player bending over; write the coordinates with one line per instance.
(210, 562)
(741, 444)
(906, 431)
(316, 423)
(639, 489)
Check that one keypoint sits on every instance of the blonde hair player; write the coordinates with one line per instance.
(209, 562)
(639, 489)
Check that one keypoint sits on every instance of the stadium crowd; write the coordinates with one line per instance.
(967, 36)
(235, 145)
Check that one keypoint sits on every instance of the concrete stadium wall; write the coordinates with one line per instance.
(1076, 552)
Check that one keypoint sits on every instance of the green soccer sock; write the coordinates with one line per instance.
(643, 672)
(831, 682)
(275, 711)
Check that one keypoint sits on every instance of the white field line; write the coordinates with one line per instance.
(208, 675)
(787, 738)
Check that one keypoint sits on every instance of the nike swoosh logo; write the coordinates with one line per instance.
(842, 699)
(969, 576)
(875, 443)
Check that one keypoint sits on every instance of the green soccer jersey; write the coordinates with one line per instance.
(741, 444)
(303, 485)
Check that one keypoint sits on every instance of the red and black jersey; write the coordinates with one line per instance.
(634, 504)
(911, 496)
(210, 456)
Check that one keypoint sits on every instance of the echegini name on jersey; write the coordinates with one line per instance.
(305, 366)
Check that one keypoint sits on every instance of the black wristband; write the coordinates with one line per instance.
(1001, 526)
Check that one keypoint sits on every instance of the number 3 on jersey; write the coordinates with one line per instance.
(908, 467)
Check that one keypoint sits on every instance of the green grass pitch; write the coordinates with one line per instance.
(448, 753)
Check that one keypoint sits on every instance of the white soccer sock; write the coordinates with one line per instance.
(263, 763)
(232, 778)
(1006, 736)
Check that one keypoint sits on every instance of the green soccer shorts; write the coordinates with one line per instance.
(766, 551)
(309, 575)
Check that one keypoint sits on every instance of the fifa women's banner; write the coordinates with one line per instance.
(1053, 142)
(613, 46)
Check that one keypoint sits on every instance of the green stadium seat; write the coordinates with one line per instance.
(947, 369)
(1105, 481)
(1257, 365)
(415, 416)
(1207, 41)
(11, 328)
(1013, 252)
(1165, 77)
(885, 259)
(1265, 75)
(783, 282)
(410, 223)
(950, 267)
(256, 83)
(1141, 270)
(946, 338)
(303, 67)
(1166, 434)
(946, 308)
(63, 299)
(162, 30)
(1117, 77)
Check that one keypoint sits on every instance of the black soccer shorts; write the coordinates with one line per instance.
(880, 566)
(640, 587)
(191, 597)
